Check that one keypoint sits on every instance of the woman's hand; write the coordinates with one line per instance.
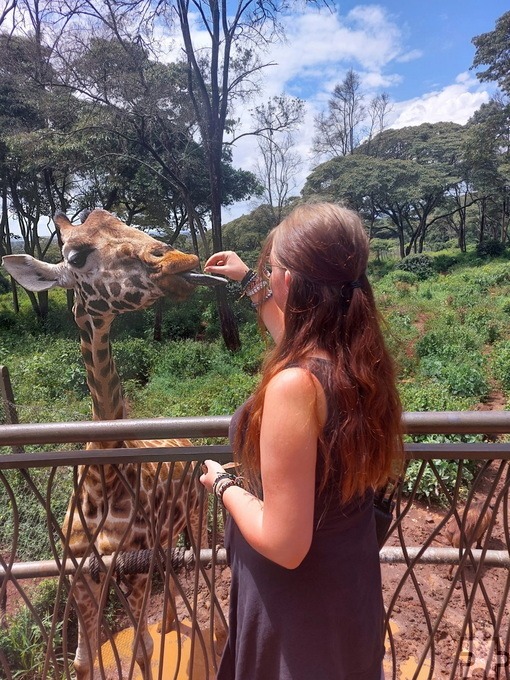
(226, 263)
(213, 470)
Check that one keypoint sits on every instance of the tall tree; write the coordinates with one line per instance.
(31, 117)
(217, 73)
(279, 163)
(403, 190)
(486, 152)
(493, 51)
(227, 70)
(492, 122)
(348, 119)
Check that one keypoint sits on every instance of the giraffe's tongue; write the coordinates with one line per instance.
(197, 279)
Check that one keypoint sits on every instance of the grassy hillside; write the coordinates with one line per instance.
(447, 324)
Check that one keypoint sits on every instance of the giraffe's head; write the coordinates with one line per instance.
(112, 268)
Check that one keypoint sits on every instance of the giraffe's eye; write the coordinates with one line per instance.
(77, 258)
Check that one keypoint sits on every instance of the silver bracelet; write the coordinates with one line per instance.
(252, 290)
(267, 296)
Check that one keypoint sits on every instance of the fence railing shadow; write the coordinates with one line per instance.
(153, 552)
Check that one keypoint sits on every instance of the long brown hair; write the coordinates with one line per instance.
(325, 248)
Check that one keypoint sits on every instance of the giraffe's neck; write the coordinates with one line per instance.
(102, 377)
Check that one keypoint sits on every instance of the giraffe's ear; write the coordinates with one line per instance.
(33, 274)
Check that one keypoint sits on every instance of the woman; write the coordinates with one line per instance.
(321, 432)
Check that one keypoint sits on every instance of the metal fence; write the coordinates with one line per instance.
(446, 563)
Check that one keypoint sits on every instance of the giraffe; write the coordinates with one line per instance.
(114, 269)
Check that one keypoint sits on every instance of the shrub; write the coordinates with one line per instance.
(442, 262)
(447, 343)
(27, 523)
(466, 381)
(184, 359)
(490, 248)
(421, 265)
(403, 276)
(135, 358)
(23, 641)
(5, 286)
(430, 488)
(427, 395)
(50, 372)
(500, 360)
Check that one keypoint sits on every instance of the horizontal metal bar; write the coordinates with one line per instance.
(456, 422)
(223, 454)
(19, 461)
(458, 451)
(440, 422)
(387, 555)
(113, 430)
(492, 558)
(50, 568)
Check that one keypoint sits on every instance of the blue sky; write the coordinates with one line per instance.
(419, 53)
(441, 31)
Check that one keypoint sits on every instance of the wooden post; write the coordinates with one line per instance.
(11, 413)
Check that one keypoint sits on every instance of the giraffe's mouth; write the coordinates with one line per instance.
(199, 279)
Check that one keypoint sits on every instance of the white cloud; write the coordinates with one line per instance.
(455, 103)
(327, 43)
(412, 55)
(320, 47)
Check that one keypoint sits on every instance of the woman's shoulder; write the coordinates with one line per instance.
(291, 379)
(297, 388)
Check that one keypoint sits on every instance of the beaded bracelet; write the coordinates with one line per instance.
(219, 477)
(228, 481)
(247, 278)
(226, 485)
(256, 287)
(267, 296)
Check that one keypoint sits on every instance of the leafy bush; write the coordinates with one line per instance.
(31, 533)
(430, 488)
(185, 359)
(466, 381)
(443, 262)
(403, 276)
(377, 269)
(421, 265)
(135, 358)
(447, 342)
(427, 395)
(490, 248)
(500, 360)
(5, 286)
(49, 372)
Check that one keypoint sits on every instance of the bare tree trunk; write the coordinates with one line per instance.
(228, 323)
(157, 335)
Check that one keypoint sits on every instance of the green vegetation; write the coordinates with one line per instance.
(446, 323)
(23, 641)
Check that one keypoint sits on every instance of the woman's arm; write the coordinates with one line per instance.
(281, 526)
(229, 264)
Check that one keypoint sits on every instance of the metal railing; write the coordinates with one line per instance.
(448, 603)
